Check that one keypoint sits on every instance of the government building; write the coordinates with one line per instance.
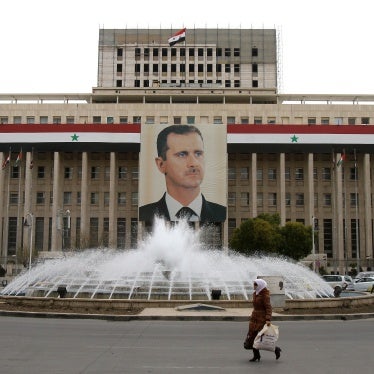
(72, 176)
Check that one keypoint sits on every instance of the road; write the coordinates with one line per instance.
(53, 346)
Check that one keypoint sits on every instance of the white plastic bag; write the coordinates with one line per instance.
(267, 338)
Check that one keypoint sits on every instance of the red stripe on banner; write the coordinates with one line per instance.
(38, 128)
(180, 32)
(300, 129)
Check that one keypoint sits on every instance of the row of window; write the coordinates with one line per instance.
(243, 198)
(326, 173)
(155, 52)
(192, 68)
(233, 173)
(257, 120)
(180, 83)
(42, 196)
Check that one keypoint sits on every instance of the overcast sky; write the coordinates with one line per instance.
(327, 46)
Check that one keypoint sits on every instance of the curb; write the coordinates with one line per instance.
(212, 317)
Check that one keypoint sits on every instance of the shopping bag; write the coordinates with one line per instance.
(267, 338)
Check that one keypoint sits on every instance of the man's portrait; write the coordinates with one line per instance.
(183, 173)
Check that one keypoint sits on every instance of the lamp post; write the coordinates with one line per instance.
(313, 243)
(30, 226)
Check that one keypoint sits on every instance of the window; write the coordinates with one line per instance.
(94, 172)
(150, 120)
(134, 198)
(227, 52)
(17, 120)
(13, 198)
(122, 172)
(231, 198)
(79, 197)
(3, 120)
(227, 68)
(315, 174)
(299, 174)
(136, 119)
(230, 120)
(288, 199)
(200, 52)
(272, 199)
(106, 198)
(260, 199)
(231, 174)
(254, 68)
(41, 172)
(325, 121)
(155, 52)
(244, 199)
(67, 197)
(56, 120)
(43, 120)
(259, 174)
(135, 173)
(326, 174)
(231, 226)
(353, 199)
(244, 173)
(258, 120)
(244, 120)
(312, 120)
(338, 120)
(121, 200)
(121, 232)
(351, 121)
(254, 83)
(353, 174)
(299, 199)
(177, 120)
(30, 120)
(68, 173)
(287, 174)
(365, 120)
(236, 52)
(272, 174)
(94, 198)
(119, 52)
(70, 120)
(96, 119)
(327, 199)
(217, 120)
(254, 51)
(123, 119)
(15, 171)
(40, 197)
(110, 120)
(190, 120)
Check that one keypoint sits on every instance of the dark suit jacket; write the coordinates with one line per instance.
(210, 212)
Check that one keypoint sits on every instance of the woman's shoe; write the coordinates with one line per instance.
(256, 356)
(277, 352)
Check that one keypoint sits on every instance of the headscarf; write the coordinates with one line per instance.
(261, 284)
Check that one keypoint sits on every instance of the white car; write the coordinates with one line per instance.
(364, 274)
(344, 281)
(364, 284)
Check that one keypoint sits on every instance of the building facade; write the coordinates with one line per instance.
(76, 181)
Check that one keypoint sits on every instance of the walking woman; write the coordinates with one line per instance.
(261, 314)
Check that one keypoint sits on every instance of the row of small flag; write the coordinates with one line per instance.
(17, 161)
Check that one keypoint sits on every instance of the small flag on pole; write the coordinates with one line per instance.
(19, 158)
(6, 162)
(341, 159)
(178, 37)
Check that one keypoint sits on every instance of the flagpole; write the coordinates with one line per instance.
(6, 221)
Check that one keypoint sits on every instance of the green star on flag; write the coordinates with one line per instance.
(294, 139)
(74, 138)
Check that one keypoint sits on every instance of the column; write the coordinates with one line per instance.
(254, 184)
(113, 201)
(309, 211)
(28, 194)
(367, 208)
(282, 188)
(338, 240)
(84, 203)
(3, 214)
(56, 237)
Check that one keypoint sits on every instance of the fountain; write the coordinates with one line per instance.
(170, 264)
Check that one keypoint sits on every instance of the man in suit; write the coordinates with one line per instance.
(180, 150)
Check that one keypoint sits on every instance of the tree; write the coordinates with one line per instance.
(296, 240)
(255, 235)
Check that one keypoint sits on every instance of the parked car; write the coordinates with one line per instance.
(363, 274)
(364, 284)
(344, 281)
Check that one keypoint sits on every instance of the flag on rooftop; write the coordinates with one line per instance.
(341, 159)
(6, 162)
(178, 37)
(19, 158)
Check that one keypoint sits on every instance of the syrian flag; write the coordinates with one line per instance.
(341, 159)
(6, 161)
(178, 37)
(19, 158)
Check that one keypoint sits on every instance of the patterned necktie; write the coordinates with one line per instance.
(185, 213)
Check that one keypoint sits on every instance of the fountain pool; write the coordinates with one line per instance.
(170, 264)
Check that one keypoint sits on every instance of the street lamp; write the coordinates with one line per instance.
(313, 245)
(30, 226)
